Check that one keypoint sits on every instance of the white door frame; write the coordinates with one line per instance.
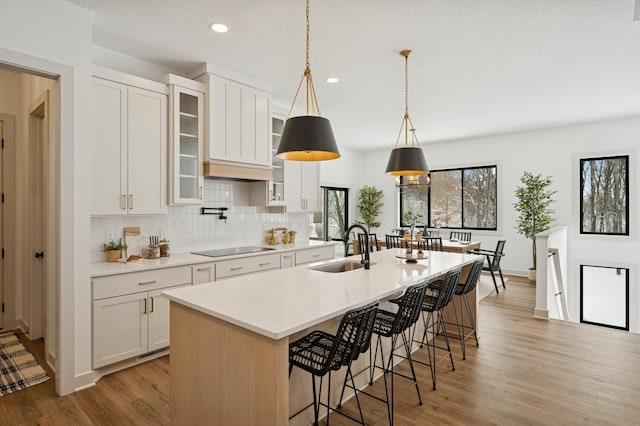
(7, 293)
(37, 224)
(63, 187)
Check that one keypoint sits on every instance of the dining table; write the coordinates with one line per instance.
(453, 246)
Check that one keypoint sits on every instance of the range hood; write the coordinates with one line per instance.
(237, 171)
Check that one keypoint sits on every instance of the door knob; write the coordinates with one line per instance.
(39, 254)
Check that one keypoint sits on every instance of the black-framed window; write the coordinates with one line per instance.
(604, 195)
(604, 296)
(463, 198)
(336, 212)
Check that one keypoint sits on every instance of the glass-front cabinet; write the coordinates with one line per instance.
(187, 131)
(276, 185)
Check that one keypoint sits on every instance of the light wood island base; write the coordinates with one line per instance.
(224, 374)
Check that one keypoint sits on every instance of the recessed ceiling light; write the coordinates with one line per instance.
(332, 80)
(219, 28)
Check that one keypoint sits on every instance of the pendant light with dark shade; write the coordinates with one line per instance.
(407, 159)
(307, 137)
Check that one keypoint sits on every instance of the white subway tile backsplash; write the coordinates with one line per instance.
(189, 230)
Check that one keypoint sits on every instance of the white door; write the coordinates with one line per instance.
(38, 155)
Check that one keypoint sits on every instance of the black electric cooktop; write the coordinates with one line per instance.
(232, 251)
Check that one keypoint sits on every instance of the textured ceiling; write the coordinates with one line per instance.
(477, 68)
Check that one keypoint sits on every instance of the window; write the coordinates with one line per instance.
(336, 210)
(464, 198)
(604, 200)
(604, 296)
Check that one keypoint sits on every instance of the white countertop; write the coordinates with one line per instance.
(112, 268)
(279, 303)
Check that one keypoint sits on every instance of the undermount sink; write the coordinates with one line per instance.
(344, 266)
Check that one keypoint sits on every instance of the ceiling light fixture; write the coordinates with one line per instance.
(416, 185)
(219, 28)
(307, 137)
(407, 159)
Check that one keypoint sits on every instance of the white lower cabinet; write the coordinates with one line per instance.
(128, 322)
(315, 255)
(246, 265)
(287, 260)
(203, 273)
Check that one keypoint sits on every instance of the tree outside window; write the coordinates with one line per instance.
(604, 201)
(464, 198)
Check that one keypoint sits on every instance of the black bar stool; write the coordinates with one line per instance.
(394, 324)
(440, 294)
(319, 353)
(463, 290)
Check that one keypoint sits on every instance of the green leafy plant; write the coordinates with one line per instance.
(112, 245)
(369, 204)
(534, 201)
(411, 218)
(292, 232)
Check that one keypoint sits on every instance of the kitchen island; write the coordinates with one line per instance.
(229, 339)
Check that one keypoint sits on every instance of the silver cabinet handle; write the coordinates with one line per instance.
(203, 269)
(200, 189)
(123, 202)
(236, 269)
(287, 256)
(315, 255)
(130, 201)
(148, 282)
(264, 264)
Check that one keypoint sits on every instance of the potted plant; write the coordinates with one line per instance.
(292, 236)
(369, 204)
(533, 203)
(113, 250)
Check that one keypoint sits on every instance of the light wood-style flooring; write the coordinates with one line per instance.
(525, 372)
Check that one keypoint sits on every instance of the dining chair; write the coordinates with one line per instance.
(372, 244)
(430, 243)
(461, 236)
(493, 261)
(394, 241)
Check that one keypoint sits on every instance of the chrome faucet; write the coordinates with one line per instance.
(365, 260)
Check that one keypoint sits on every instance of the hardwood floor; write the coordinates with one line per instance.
(525, 372)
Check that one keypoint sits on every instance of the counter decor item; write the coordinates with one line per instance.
(113, 250)
(271, 236)
(165, 250)
(292, 236)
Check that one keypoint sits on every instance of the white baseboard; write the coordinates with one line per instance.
(541, 313)
(90, 378)
(51, 361)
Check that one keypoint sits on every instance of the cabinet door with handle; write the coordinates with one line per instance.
(203, 273)
(147, 151)
(108, 148)
(119, 328)
(158, 318)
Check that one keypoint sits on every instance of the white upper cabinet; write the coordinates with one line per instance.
(239, 122)
(302, 186)
(129, 146)
(186, 129)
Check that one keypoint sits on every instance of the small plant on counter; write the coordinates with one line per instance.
(112, 245)
(292, 236)
(113, 250)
